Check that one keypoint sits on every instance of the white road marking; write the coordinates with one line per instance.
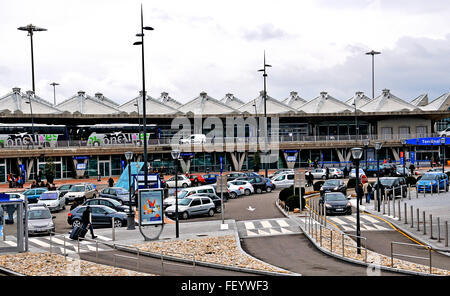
(11, 243)
(370, 219)
(282, 223)
(249, 225)
(266, 224)
(104, 238)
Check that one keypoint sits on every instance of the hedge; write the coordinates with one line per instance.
(293, 202)
(285, 193)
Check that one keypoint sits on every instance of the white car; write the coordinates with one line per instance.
(444, 133)
(243, 186)
(283, 180)
(335, 173)
(183, 181)
(353, 173)
(319, 173)
(281, 171)
(54, 200)
(194, 139)
(188, 192)
(192, 206)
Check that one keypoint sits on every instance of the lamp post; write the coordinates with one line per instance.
(404, 156)
(54, 84)
(176, 155)
(139, 118)
(357, 153)
(443, 154)
(30, 29)
(144, 119)
(265, 113)
(377, 148)
(130, 222)
(373, 53)
(30, 93)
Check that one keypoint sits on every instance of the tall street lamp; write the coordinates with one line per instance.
(30, 29)
(130, 222)
(176, 155)
(404, 156)
(377, 148)
(443, 154)
(265, 112)
(357, 153)
(373, 53)
(54, 84)
(144, 119)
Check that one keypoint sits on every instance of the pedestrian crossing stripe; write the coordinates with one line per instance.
(370, 219)
(249, 225)
(84, 246)
(282, 223)
(266, 224)
(11, 243)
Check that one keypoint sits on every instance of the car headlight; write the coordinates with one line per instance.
(336, 188)
(327, 205)
(349, 204)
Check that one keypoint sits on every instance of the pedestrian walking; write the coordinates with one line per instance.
(328, 173)
(345, 172)
(310, 179)
(111, 182)
(412, 167)
(10, 180)
(86, 219)
(359, 192)
(369, 192)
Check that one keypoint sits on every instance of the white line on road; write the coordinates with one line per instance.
(249, 225)
(266, 224)
(282, 223)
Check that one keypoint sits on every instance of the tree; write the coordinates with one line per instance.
(256, 162)
(50, 170)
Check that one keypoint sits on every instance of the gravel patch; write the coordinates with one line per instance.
(46, 264)
(221, 250)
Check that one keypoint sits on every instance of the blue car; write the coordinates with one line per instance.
(33, 194)
(431, 181)
(210, 178)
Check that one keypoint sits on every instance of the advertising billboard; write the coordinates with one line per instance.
(151, 207)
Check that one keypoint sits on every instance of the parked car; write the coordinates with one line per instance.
(101, 216)
(335, 173)
(399, 171)
(333, 186)
(234, 176)
(81, 192)
(233, 191)
(215, 199)
(245, 187)
(118, 193)
(280, 171)
(183, 181)
(188, 192)
(192, 206)
(109, 202)
(336, 203)
(283, 180)
(393, 185)
(438, 170)
(362, 175)
(33, 194)
(210, 178)
(444, 133)
(270, 185)
(432, 181)
(194, 139)
(64, 188)
(54, 200)
(40, 220)
(259, 183)
(319, 173)
(196, 179)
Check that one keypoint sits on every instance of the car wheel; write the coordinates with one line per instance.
(259, 190)
(269, 189)
(185, 185)
(233, 195)
(324, 177)
(76, 223)
(185, 215)
(335, 176)
(247, 192)
(117, 223)
(211, 212)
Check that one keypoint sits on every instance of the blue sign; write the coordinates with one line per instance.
(413, 157)
(80, 157)
(291, 158)
(427, 141)
(290, 151)
(81, 166)
(221, 165)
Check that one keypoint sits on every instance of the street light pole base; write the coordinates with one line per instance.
(130, 222)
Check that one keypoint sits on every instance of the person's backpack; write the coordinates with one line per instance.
(369, 188)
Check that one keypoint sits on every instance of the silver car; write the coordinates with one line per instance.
(54, 200)
(192, 206)
(117, 193)
(40, 220)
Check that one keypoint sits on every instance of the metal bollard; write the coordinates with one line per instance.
(65, 255)
(393, 206)
(399, 212)
(424, 190)
(384, 202)
(389, 206)
(325, 215)
(401, 192)
(439, 229)
(418, 221)
(412, 217)
(446, 233)
(409, 191)
(113, 230)
(424, 223)
(406, 213)
(431, 189)
(431, 226)
(51, 242)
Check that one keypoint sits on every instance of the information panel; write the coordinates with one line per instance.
(151, 207)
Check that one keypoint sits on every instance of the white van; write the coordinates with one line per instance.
(194, 139)
(188, 192)
(283, 180)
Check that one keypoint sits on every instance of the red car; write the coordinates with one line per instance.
(197, 179)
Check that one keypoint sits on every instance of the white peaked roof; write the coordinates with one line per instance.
(294, 100)
(204, 104)
(273, 106)
(168, 100)
(232, 101)
(421, 100)
(360, 98)
(325, 103)
(441, 103)
(387, 102)
(152, 106)
(101, 97)
(17, 101)
(86, 104)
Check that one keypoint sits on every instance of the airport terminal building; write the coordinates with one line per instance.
(86, 136)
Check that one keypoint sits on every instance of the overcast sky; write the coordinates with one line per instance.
(217, 47)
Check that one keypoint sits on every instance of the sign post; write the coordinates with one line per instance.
(151, 210)
(221, 192)
(299, 182)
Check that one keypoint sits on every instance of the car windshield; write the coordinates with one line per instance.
(64, 187)
(183, 194)
(335, 197)
(121, 191)
(386, 182)
(184, 201)
(39, 214)
(429, 177)
(77, 189)
(49, 196)
(114, 202)
(331, 183)
(109, 210)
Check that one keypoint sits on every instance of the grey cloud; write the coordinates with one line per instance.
(265, 32)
